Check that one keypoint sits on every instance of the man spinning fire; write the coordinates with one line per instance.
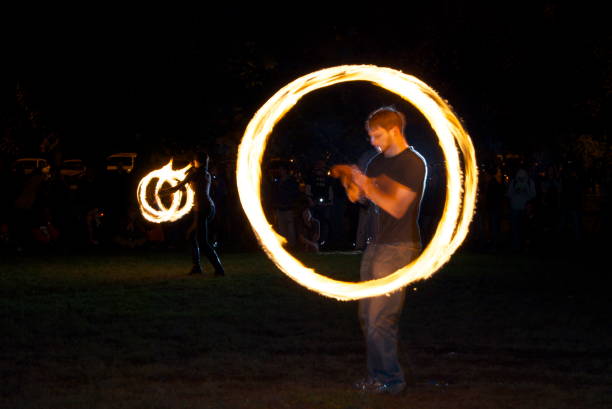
(393, 182)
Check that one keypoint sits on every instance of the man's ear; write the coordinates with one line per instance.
(395, 132)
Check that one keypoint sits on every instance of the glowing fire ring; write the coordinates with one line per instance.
(160, 213)
(458, 209)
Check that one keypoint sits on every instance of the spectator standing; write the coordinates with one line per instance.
(521, 191)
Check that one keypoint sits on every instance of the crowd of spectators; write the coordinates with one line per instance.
(522, 206)
(534, 207)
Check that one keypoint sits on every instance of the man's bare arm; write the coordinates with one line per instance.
(386, 193)
(169, 190)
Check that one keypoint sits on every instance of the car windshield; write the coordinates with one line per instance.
(26, 165)
(73, 165)
(119, 160)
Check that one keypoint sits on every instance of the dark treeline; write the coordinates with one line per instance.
(535, 98)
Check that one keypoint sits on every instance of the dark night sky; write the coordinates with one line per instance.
(518, 76)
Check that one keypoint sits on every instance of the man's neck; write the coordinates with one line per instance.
(395, 149)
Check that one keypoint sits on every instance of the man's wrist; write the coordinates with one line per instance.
(368, 186)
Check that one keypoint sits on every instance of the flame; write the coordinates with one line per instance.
(460, 190)
(161, 213)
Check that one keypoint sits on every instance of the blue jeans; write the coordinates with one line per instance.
(379, 316)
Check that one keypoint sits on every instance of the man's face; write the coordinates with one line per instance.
(380, 138)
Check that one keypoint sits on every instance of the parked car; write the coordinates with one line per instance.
(27, 165)
(73, 167)
(123, 160)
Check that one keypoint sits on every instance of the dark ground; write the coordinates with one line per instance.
(131, 330)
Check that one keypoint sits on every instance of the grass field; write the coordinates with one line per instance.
(110, 330)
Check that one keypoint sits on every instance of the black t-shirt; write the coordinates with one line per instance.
(285, 194)
(409, 169)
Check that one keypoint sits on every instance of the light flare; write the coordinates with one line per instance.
(460, 190)
(160, 212)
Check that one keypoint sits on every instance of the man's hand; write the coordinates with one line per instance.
(167, 191)
(386, 193)
(358, 178)
(346, 175)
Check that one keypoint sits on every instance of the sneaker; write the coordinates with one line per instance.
(390, 388)
(369, 385)
(365, 384)
(196, 270)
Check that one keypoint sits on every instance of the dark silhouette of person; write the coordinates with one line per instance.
(572, 195)
(285, 192)
(494, 206)
(319, 188)
(432, 205)
(131, 233)
(308, 227)
(521, 190)
(204, 211)
(549, 202)
(25, 206)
